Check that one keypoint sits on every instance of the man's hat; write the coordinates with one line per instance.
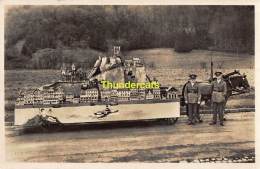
(218, 73)
(192, 76)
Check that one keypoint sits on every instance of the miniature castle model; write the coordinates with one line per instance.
(76, 87)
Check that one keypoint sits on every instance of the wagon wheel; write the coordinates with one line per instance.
(44, 127)
(171, 121)
(49, 127)
(56, 127)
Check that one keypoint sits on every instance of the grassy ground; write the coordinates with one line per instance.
(197, 59)
(177, 77)
(168, 67)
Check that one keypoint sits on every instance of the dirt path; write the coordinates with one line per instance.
(153, 143)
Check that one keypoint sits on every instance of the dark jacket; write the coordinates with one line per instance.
(192, 94)
(219, 91)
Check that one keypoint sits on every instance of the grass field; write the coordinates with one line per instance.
(168, 67)
(177, 77)
(197, 59)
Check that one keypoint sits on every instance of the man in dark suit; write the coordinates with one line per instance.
(192, 97)
(219, 91)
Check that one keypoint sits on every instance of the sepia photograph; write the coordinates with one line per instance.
(129, 83)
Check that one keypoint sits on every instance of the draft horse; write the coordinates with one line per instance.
(236, 84)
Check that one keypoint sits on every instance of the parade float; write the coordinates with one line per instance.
(116, 89)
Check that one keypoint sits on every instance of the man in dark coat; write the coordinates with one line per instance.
(192, 97)
(219, 91)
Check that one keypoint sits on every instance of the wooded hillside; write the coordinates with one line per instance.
(62, 30)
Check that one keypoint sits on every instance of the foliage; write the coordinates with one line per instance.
(223, 28)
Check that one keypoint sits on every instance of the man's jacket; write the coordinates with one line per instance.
(219, 91)
(192, 93)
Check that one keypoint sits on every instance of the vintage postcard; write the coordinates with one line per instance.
(129, 83)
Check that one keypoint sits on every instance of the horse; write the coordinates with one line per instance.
(236, 84)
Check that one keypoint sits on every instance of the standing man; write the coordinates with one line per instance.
(192, 97)
(219, 91)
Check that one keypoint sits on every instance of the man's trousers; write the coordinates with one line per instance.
(218, 109)
(193, 112)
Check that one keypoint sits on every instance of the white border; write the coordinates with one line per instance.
(6, 165)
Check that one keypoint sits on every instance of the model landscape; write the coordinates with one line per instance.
(112, 81)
